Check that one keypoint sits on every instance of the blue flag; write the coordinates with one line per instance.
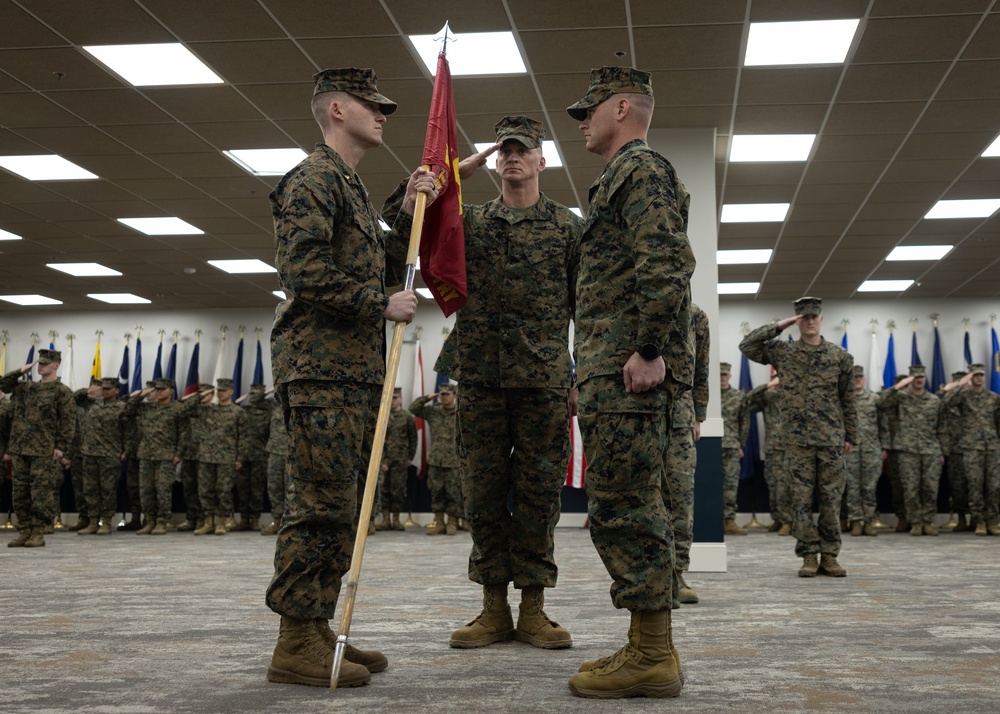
(137, 369)
(157, 372)
(937, 369)
(172, 367)
(238, 370)
(258, 367)
(440, 379)
(889, 371)
(995, 367)
(968, 351)
(31, 358)
(750, 462)
(191, 385)
(914, 355)
(123, 375)
(843, 340)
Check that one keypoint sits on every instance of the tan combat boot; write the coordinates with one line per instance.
(36, 539)
(452, 526)
(604, 661)
(303, 657)
(242, 525)
(869, 529)
(902, 526)
(90, 529)
(857, 528)
(439, 525)
(685, 593)
(493, 624)
(730, 528)
(105, 528)
(993, 529)
(386, 523)
(645, 667)
(207, 528)
(396, 524)
(81, 523)
(930, 529)
(810, 566)
(786, 529)
(981, 528)
(828, 565)
(535, 627)
(148, 527)
(372, 660)
(916, 529)
(186, 526)
(21, 539)
(962, 526)
(220, 526)
(160, 528)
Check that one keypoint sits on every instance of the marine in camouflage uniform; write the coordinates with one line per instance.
(980, 443)
(400, 445)
(632, 268)
(194, 514)
(767, 399)
(277, 454)
(958, 484)
(221, 449)
(888, 426)
(444, 465)
(920, 441)
(103, 448)
(817, 379)
(6, 407)
(84, 399)
(41, 434)
(252, 478)
(328, 359)
(736, 428)
(687, 413)
(864, 465)
(132, 465)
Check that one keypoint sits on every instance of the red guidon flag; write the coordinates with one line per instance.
(442, 242)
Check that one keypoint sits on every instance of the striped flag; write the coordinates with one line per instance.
(417, 390)
(193, 377)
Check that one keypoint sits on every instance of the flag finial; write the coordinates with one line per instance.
(873, 322)
(34, 338)
(891, 324)
(3, 334)
(98, 333)
(444, 38)
(177, 333)
(161, 332)
(745, 327)
(138, 332)
(966, 321)
(934, 318)
(197, 333)
(418, 330)
(913, 323)
(128, 336)
(69, 338)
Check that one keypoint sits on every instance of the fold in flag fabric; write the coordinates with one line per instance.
(238, 371)
(68, 360)
(31, 358)
(137, 369)
(576, 472)
(258, 367)
(968, 350)
(172, 367)
(220, 363)
(751, 461)
(914, 354)
(937, 365)
(874, 364)
(442, 242)
(889, 371)
(843, 340)
(3, 358)
(417, 390)
(95, 366)
(157, 371)
(123, 374)
(193, 378)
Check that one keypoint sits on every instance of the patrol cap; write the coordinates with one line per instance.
(257, 388)
(955, 376)
(357, 82)
(859, 370)
(526, 130)
(918, 370)
(808, 306)
(205, 386)
(898, 378)
(977, 368)
(448, 388)
(49, 356)
(151, 384)
(224, 383)
(164, 383)
(397, 392)
(109, 383)
(605, 82)
(95, 381)
(725, 368)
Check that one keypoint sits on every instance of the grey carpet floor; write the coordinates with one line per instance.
(130, 624)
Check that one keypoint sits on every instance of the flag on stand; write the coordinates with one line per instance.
(137, 368)
(968, 350)
(157, 371)
(937, 367)
(172, 366)
(123, 373)
(442, 242)
(417, 390)
(220, 363)
(889, 371)
(914, 355)
(843, 340)
(95, 366)
(31, 358)
(193, 378)
(3, 357)
(258, 367)
(71, 378)
(238, 370)
(995, 367)
(874, 363)
(751, 462)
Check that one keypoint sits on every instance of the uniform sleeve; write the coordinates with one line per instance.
(419, 407)
(755, 399)
(760, 345)
(242, 442)
(411, 436)
(847, 399)
(744, 419)
(702, 359)
(67, 422)
(9, 380)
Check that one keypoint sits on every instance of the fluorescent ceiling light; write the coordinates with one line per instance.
(754, 212)
(577, 211)
(280, 294)
(7, 235)
(165, 226)
(549, 151)
(993, 149)
(472, 52)
(30, 300)
(425, 292)
(884, 286)
(738, 288)
(154, 64)
(82, 270)
(965, 208)
(811, 42)
(45, 167)
(266, 162)
(919, 252)
(771, 147)
(743, 257)
(119, 298)
(243, 266)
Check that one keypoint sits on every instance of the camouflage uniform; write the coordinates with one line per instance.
(400, 445)
(957, 482)
(818, 401)
(918, 442)
(768, 401)
(736, 427)
(132, 439)
(680, 457)
(444, 466)
(160, 427)
(980, 444)
(252, 478)
(864, 466)
(633, 267)
(888, 426)
(220, 445)
(43, 420)
(83, 403)
(103, 446)
(187, 449)
(328, 360)
(277, 454)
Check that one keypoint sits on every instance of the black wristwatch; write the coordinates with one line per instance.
(649, 351)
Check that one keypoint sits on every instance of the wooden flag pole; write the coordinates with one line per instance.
(371, 482)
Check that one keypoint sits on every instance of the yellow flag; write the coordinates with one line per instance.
(95, 370)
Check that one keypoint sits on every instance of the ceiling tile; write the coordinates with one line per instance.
(788, 85)
(691, 46)
(196, 20)
(914, 39)
(890, 82)
(263, 61)
(110, 22)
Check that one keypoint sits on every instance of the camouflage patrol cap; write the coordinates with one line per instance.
(523, 129)
(356, 82)
(109, 383)
(95, 381)
(605, 82)
(859, 371)
(955, 376)
(257, 388)
(725, 368)
(151, 384)
(898, 378)
(977, 368)
(918, 370)
(205, 386)
(397, 392)
(808, 306)
(49, 356)
(164, 383)
(449, 388)
(224, 383)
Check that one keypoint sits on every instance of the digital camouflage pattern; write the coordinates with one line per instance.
(605, 82)
(979, 441)
(6, 407)
(83, 402)
(768, 402)
(864, 466)
(736, 427)
(920, 441)
(361, 82)
(400, 446)
(443, 424)
(887, 426)
(251, 480)
(103, 446)
(160, 429)
(956, 474)
(219, 448)
(277, 454)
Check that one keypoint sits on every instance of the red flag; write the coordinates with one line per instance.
(442, 243)
(576, 472)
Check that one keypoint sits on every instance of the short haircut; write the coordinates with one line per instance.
(321, 107)
(642, 105)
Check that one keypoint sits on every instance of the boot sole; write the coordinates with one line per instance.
(843, 574)
(542, 644)
(506, 636)
(284, 677)
(689, 600)
(653, 691)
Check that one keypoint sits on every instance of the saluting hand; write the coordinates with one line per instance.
(469, 165)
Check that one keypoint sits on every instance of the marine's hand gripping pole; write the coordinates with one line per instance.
(371, 483)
